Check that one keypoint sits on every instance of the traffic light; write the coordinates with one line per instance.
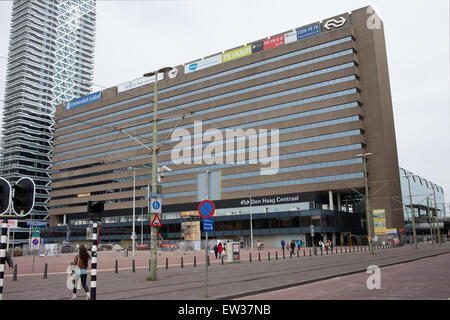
(95, 209)
(5, 196)
(23, 198)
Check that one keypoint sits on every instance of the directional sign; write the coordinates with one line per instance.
(36, 232)
(208, 224)
(156, 222)
(206, 209)
(155, 205)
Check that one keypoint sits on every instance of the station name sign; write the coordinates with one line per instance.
(84, 100)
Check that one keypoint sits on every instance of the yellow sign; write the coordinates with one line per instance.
(237, 53)
(379, 222)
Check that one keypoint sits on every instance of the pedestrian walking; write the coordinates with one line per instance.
(299, 244)
(322, 245)
(283, 244)
(292, 247)
(216, 250)
(220, 249)
(81, 262)
(258, 245)
(9, 261)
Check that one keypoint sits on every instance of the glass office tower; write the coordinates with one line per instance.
(50, 61)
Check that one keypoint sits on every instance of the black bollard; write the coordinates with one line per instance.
(15, 273)
(167, 263)
(283, 255)
(250, 257)
(276, 255)
(208, 261)
(195, 261)
(304, 253)
(341, 249)
(182, 266)
(222, 259)
(133, 267)
(116, 270)
(45, 271)
(321, 252)
(298, 253)
(268, 255)
(345, 249)
(259, 256)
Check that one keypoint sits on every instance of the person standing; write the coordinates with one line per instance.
(283, 244)
(216, 250)
(81, 261)
(292, 247)
(220, 249)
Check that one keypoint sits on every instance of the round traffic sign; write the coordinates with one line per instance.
(206, 209)
(35, 242)
(156, 205)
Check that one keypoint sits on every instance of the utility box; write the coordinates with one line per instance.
(233, 252)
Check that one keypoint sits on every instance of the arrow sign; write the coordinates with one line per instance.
(206, 209)
(156, 222)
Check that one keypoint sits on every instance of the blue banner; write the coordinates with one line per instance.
(307, 32)
(84, 100)
(208, 224)
(36, 223)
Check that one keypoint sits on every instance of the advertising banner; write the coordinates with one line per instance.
(237, 53)
(256, 47)
(84, 100)
(274, 42)
(138, 83)
(290, 37)
(379, 222)
(307, 32)
(202, 64)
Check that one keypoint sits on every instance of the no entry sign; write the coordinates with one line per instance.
(206, 209)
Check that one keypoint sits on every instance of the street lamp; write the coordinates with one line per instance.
(153, 247)
(413, 220)
(368, 215)
(435, 211)
(251, 222)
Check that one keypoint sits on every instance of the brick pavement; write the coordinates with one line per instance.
(225, 281)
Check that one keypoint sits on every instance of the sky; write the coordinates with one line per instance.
(135, 37)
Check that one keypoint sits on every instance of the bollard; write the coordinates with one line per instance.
(304, 253)
(259, 256)
(133, 268)
(208, 261)
(283, 255)
(195, 261)
(182, 266)
(149, 265)
(116, 270)
(45, 271)
(298, 254)
(15, 273)
(345, 249)
(341, 249)
(222, 259)
(250, 257)
(321, 252)
(276, 255)
(167, 263)
(268, 255)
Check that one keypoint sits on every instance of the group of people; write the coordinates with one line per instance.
(218, 249)
(328, 245)
(292, 246)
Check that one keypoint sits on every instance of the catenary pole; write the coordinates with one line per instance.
(94, 262)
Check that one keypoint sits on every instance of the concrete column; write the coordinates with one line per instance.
(65, 219)
(334, 239)
(330, 200)
(325, 238)
(339, 203)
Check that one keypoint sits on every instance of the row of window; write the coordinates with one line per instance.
(214, 76)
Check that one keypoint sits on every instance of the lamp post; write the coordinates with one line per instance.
(133, 234)
(153, 247)
(412, 211)
(251, 222)
(368, 215)
(437, 220)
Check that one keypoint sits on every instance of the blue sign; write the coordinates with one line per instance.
(84, 100)
(208, 224)
(308, 31)
(156, 205)
(193, 66)
(36, 224)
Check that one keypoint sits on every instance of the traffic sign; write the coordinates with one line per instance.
(208, 224)
(206, 209)
(35, 241)
(155, 205)
(156, 222)
(36, 232)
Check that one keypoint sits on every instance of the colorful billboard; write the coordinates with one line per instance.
(379, 222)
(307, 32)
(237, 53)
(84, 100)
(290, 37)
(256, 47)
(202, 64)
(274, 42)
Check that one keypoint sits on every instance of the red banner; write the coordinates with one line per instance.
(274, 42)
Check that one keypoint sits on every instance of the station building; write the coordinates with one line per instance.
(321, 92)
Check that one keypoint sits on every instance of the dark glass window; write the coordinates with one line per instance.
(305, 221)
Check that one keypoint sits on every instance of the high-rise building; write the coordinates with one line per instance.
(50, 61)
(321, 92)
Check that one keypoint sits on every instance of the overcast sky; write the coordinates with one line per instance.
(134, 37)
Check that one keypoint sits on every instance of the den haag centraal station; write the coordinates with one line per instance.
(315, 100)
